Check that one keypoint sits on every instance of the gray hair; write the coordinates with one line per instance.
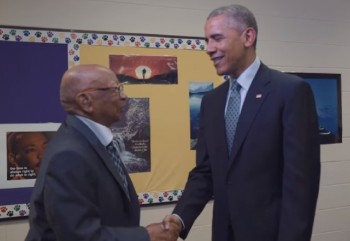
(240, 17)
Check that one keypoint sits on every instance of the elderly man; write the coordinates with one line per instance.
(83, 191)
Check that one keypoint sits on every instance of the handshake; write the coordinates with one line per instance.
(168, 230)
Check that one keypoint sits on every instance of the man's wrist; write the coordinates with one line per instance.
(180, 219)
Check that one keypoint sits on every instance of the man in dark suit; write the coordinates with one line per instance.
(265, 185)
(80, 194)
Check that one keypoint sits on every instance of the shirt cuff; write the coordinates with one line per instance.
(182, 222)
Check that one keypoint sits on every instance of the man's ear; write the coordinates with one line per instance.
(84, 102)
(12, 159)
(249, 36)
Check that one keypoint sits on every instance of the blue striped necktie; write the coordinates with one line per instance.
(232, 113)
(112, 150)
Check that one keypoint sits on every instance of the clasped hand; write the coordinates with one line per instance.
(168, 230)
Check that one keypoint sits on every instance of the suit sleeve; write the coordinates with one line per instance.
(70, 201)
(301, 174)
(199, 186)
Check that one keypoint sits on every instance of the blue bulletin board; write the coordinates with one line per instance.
(30, 77)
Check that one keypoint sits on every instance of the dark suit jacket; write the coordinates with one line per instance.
(78, 194)
(267, 190)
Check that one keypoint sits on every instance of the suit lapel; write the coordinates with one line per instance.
(107, 159)
(100, 149)
(256, 95)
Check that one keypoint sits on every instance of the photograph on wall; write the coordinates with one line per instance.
(139, 69)
(196, 92)
(327, 92)
(24, 153)
(133, 135)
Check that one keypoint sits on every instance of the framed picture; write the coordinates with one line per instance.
(327, 93)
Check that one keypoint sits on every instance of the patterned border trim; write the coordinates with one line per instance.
(159, 197)
(14, 211)
(74, 39)
(145, 199)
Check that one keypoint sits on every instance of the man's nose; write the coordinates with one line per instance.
(210, 47)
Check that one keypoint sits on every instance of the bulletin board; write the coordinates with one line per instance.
(164, 77)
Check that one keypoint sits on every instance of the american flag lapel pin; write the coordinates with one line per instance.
(258, 96)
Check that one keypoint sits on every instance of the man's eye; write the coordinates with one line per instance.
(29, 150)
(218, 38)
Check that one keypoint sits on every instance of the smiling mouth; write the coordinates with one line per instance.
(216, 60)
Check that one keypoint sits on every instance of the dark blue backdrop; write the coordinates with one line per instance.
(30, 75)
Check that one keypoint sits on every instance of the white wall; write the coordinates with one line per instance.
(298, 35)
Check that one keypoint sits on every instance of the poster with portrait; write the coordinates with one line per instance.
(24, 153)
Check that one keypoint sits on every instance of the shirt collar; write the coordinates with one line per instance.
(103, 133)
(246, 78)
